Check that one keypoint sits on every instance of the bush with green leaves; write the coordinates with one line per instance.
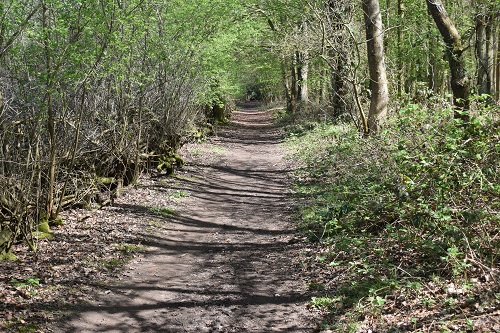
(418, 202)
(428, 178)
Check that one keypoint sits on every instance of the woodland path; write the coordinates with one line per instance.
(225, 261)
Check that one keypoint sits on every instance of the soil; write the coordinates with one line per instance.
(220, 250)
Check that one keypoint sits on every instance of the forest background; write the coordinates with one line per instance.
(395, 102)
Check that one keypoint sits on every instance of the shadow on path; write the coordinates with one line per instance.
(224, 261)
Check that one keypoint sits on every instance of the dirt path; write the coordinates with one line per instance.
(224, 261)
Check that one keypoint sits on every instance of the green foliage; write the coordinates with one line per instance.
(117, 81)
(18, 324)
(325, 302)
(44, 227)
(413, 205)
(163, 211)
(169, 162)
(25, 283)
(129, 248)
(43, 231)
(110, 264)
(5, 236)
(7, 255)
(179, 194)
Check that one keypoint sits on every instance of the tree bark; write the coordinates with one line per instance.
(376, 63)
(460, 82)
(286, 85)
(302, 76)
(294, 90)
(1, 99)
(484, 54)
(497, 62)
(339, 53)
(401, 14)
(491, 35)
(50, 116)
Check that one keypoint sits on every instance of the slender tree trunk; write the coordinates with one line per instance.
(376, 63)
(298, 71)
(294, 92)
(497, 62)
(339, 53)
(401, 14)
(454, 51)
(286, 85)
(483, 63)
(1, 99)
(491, 34)
(431, 64)
(50, 116)
(323, 95)
(303, 73)
(2, 139)
(2, 163)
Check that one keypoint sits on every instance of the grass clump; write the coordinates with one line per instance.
(162, 211)
(405, 221)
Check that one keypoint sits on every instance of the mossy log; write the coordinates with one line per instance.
(169, 162)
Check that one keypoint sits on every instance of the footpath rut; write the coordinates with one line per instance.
(224, 261)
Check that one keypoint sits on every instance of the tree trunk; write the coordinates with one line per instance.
(340, 88)
(302, 75)
(497, 63)
(294, 89)
(491, 35)
(339, 54)
(454, 51)
(286, 85)
(483, 63)
(1, 99)
(401, 14)
(50, 116)
(376, 63)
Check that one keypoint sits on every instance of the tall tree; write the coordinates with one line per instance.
(339, 42)
(376, 64)
(400, 75)
(48, 101)
(460, 82)
(486, 38)
(303, 68)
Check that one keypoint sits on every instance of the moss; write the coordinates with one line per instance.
(167, 163)
(178, 160)
(106, 180)
(44, 227)
(43, 230)
(7, 255)
(5, 236)
(165, 166)
(58, 221)
(42, 235)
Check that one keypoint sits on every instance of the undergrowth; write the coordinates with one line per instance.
(404, 223)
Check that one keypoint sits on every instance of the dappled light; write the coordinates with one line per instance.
(249, 166)
(220, 260)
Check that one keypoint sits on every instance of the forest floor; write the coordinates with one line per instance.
(211, 249)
